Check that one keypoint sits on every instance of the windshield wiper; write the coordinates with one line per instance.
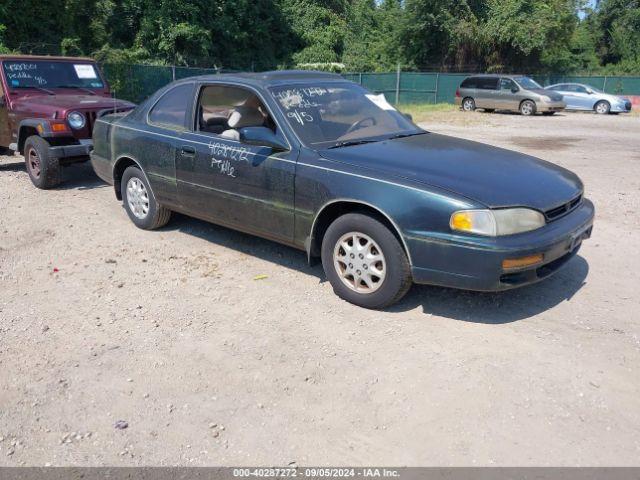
(79, 88)
(37, 88)
(348, 143)
(403, 135)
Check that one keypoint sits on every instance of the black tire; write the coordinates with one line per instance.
(528, 107)
(489, 110)
(43, 169)
(397, 280)
(156, 215)
(548, 114)
(468, 104)
(602, 107)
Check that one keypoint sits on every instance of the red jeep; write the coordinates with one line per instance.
(47, 109)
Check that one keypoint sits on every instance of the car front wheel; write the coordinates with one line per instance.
(364, 261)
(139, 201)
(528, 107)
(602, 107)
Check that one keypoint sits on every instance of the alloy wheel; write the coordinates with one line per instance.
(526, 108)
(468, 105)
(359, 262)
(137, 198)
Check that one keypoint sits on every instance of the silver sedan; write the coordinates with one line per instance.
(578, 96)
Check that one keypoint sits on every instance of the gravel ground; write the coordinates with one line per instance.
(125, 347)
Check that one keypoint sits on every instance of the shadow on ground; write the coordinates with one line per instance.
(478, 307)
(79, 176)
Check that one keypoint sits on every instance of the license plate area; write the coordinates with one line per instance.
(577, 238)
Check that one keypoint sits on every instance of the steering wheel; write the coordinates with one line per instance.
(359, 124)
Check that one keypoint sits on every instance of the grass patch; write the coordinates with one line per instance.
(421, 111)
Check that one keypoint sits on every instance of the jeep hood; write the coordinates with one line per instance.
(68, 102)
(492, 176)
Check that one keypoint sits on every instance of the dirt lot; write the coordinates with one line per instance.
(169, 331)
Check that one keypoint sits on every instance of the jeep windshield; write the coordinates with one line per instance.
(339, 115)
(47, 74)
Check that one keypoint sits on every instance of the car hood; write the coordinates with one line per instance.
(69, 102)
(555, 97)
(492, 176)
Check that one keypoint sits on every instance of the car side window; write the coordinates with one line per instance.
(507, 84)
(172, 108)
(223, 110)
(488, 83)
(580, 89)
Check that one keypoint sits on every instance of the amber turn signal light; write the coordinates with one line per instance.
(511, 263)
(58, 127)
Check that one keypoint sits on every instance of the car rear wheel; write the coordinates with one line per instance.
(528, 107)
(140, 202)
(365, 262)
(468, 104)
(42, 167)
(602, 107)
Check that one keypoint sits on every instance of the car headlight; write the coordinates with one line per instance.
(546, 98)
(76, 120)
(494, 223)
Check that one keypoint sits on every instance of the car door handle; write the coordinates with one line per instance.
(187, 151)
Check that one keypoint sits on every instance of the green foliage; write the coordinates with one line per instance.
(363, 35)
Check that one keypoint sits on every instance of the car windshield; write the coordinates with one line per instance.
(340, 114)
(45, 74)
(528, 83)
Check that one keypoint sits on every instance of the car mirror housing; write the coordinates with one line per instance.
(263, 137)
(514, 89)
(3, 101)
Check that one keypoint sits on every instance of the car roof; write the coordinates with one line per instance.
(268, 79)
(45, 57)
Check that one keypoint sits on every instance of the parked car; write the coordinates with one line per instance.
(47, 109)
(507, 92)
(319, 163)
(578, 96)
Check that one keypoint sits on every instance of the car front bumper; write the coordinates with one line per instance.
(550, 106)
(69, 151)
(621, 107)
(475, 263)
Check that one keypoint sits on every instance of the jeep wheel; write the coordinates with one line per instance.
(43, 168)
(140, 202)
(365, 262)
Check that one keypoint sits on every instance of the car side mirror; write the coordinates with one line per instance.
(515, 89)
(408, 116)
(262, 137)
(589, 91)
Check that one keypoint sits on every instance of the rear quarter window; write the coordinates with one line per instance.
(469, 83)
(172, 108)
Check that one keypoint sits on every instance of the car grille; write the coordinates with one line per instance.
(562, 210)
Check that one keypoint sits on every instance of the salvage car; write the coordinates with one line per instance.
(578, 96)
(515, 93)
(47, 109)
(319, 163)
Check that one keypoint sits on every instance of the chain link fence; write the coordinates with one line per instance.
(137, 82)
